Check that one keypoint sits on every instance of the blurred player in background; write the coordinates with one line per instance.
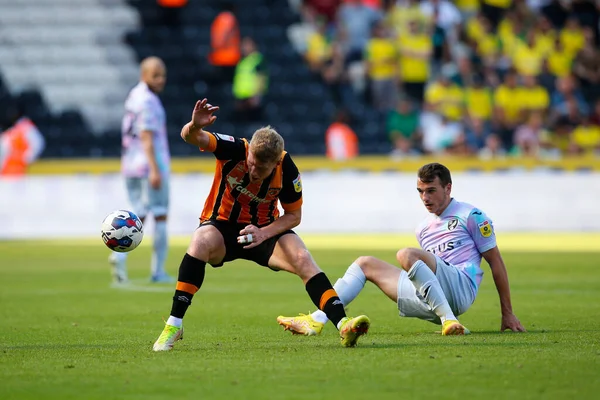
(240, 219)
(20, 144)
(145, 164)
(437, 283)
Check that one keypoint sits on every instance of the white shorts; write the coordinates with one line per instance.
(145, 199)
(457, 287)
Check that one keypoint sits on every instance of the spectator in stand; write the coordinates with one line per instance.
(336, 79)
(415, 50)
(559, 59)
(439, 133)
(225, 43)
(318, 50)
(20, 144)
(382, 68)
(534, 97)
(572, 36)
(586, 138)
(528, 56)
(446, 98)
(545, 35)
(493, 148)
(357, 19)
(444, 14)
(468, 8)
(478, 101)
(586, 68)
(399, 14)
(402, 126)
(485, 41)
(508, 108)
(476, 133)
(547, 79)
(567, 93)
(341, 142)
(250, 82)
(527, 136)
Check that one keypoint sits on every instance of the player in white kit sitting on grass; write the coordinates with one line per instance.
(438, 282)
(145, 164)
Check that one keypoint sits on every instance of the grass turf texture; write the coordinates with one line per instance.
(67, 334)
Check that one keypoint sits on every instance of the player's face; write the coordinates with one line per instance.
(156, 79)
(258, 170)
(434, 196)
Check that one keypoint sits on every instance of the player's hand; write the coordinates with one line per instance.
(202, 115)
(154, 179)
(511, 322)
(257, 236)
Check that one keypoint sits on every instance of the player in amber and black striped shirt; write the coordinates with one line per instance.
(241, 220)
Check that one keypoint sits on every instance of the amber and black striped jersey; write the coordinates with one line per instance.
(233, 198)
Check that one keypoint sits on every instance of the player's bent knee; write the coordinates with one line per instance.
(365, 262)
(406, 258)
(207, 243)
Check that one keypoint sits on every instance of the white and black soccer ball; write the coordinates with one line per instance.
(122, 231)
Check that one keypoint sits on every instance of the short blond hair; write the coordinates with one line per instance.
(266, 145)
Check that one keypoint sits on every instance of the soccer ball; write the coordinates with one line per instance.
(122, 231)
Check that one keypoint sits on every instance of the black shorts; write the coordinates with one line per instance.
(234, 250)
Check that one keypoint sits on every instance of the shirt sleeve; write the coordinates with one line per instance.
(226, 147)
(148, 118)
(481, 229)
(291, 190)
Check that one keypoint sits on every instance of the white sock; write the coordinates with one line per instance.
(119, 261)
(160, 247)
(174, 321)
(347, 288)
(429, 287)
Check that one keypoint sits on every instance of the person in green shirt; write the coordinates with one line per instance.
(402, 127)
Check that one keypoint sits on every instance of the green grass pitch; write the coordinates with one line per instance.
(66, 334)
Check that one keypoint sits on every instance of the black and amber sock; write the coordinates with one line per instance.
(324, 296)
(189, 281)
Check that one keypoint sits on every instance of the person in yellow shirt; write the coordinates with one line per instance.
(468, 8)
(318, 48)
(400, 14)
(487, 43)
(478, 101)
(533, 97)
(585, 138)
(572, 36)
(382, 69)
(527, 58)
(508, 108)
(545, 35)
(415, 49)
(445, 98)
(511, 39)
(560, 61)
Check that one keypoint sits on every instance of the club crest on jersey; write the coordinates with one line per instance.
(452, 224)
(273, 192)
(298, 184)
(485, 228)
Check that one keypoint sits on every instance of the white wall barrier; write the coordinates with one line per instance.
(343, 202)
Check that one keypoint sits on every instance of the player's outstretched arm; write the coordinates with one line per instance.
(509, 320)
(193, 132)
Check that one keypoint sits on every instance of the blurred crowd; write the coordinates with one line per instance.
(471, 77)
